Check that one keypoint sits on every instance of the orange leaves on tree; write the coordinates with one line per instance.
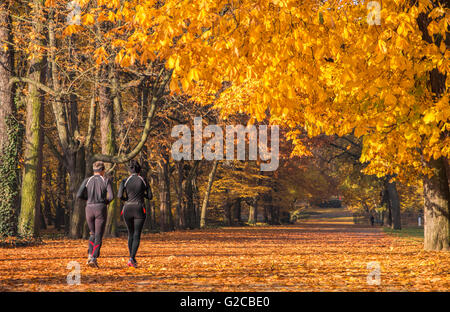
(88, 19)
(72, 29)
(314, 66)
(50, 3)
(101, 56)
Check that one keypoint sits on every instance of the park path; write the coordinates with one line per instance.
(320, 254)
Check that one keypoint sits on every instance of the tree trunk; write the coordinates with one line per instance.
(120, 131)
(59, 199)
(9, 134)
(228, 212)
(436, 188)
(196, 202)
(275, 209)
(266, 213)
(190, 218)
(237, 211)
(387, 214)
(253, 212)
(46, 212)
(181, 224)
(42, 224)
(32, 174)
(151, 216)
(108, 144)
(64, 204)
(47, 198)
(211, 177)
(268, 209)
(31, 182)
(188, 204)
(166, 222)
(78, 169)
(6, 72)
(75, 154)
(275, 215)
(394, 204)
(436, 208)
(77, 172)
(145, 171)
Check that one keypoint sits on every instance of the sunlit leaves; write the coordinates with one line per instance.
(101, 56)
(316, 66)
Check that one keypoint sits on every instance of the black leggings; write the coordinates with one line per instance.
(134, 217)
(96, 220)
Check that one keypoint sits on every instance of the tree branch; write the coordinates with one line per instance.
(140, 145)
(345, 150)
(92, 125)
(53, 148)
(37, 84)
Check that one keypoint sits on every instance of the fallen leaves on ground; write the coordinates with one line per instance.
(314, 256)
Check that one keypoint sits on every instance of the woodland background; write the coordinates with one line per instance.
(364, 110)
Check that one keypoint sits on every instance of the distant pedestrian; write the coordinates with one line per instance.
(134, 190)
(372, 220)
(98, 192)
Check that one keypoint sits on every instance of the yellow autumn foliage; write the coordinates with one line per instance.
(314, 65)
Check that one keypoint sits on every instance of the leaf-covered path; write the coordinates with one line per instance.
(317, 255)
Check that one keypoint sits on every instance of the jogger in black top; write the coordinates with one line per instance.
(133, 191)
(98, 192)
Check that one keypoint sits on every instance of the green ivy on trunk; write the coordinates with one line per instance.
(9, 173)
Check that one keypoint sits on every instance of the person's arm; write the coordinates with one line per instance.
(148, 192)
(82, 191)
(109, 191)
(122, 194)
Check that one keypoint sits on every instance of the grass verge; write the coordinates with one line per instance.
(407, 232)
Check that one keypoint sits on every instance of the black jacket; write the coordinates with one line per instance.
(134, 189)
(96, 190)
